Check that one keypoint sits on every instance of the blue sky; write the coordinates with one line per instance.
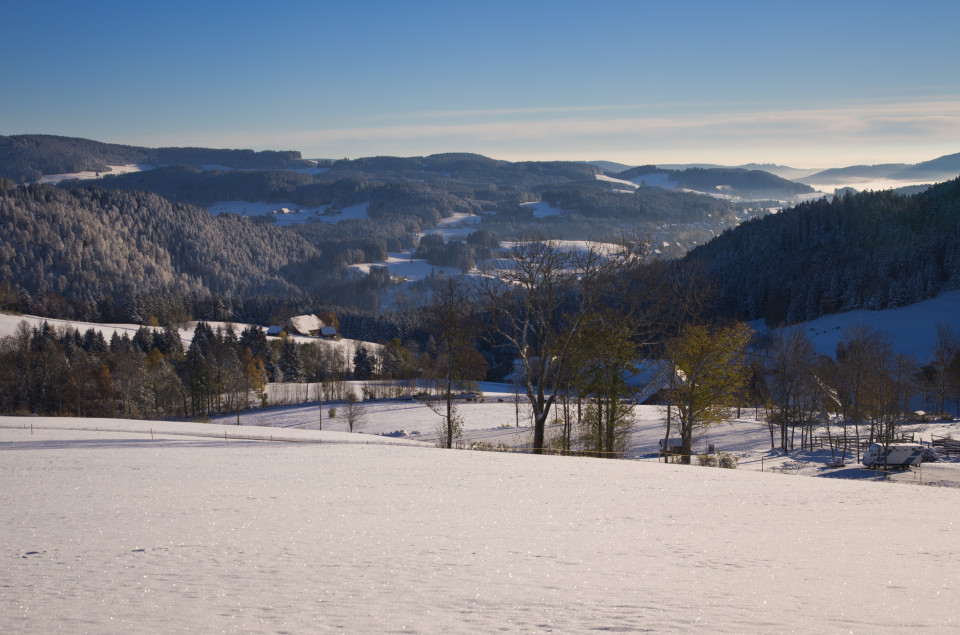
(808, 84)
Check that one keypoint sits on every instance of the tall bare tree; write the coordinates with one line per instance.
(945, 348)
(454, 359)
(792, 379)
(543, 297)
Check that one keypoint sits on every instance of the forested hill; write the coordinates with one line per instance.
(754, 184)
(872, 250)
(96, 255)
(25, 158)
(464, 168)
(92, 246)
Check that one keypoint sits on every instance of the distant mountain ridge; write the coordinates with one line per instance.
(26, 158)
(940, 169)
(753, 184)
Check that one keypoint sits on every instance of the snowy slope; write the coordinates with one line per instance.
(117, 532)
(53, 179)
(913, 328)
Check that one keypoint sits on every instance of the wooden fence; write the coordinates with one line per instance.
(946, 446)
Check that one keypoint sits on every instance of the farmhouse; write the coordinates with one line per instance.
(309, 325)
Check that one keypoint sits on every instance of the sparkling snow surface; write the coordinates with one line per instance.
(118, 532)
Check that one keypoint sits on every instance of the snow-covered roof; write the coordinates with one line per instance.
(651, 377)
(305, 324)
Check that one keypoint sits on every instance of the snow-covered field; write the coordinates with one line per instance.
(122, 531)
(543, 210)
(53, 179)
(403, 266)
(655, 180)
(9, 324)
(456, 227)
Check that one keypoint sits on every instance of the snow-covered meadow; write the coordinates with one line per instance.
(502, 421)
(54, 179)
(130, 531)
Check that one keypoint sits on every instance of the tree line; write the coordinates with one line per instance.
(152, 374)
(870, 388)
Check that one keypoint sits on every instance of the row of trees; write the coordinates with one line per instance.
(870, 385)
(463, 254)
(152, 374)
(577, 324)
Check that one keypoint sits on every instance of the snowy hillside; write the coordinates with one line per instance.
(913, 328)
(53, 179)
(120, 532)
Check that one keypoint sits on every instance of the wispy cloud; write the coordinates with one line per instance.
(597, 130)
(940, 118)
(499, 112)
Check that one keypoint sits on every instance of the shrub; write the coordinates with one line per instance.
(727, 460)
(706, 460)
(720, 459)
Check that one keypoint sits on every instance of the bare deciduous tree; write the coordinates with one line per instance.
(353, 411)
(543, 297)
(454, 360)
